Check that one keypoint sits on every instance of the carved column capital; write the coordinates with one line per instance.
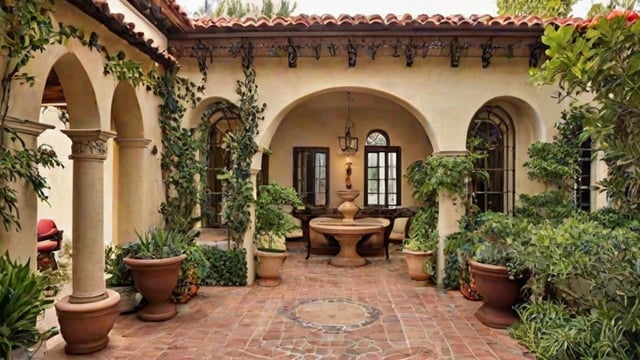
(125, 142)
(89, 144)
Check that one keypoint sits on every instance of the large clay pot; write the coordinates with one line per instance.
(85, 327)
(415, 265)
(155, 279)
(498, 292)
(269, 264)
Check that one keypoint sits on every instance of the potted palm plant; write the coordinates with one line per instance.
(497, 268)
(272, 225)
(155, 266)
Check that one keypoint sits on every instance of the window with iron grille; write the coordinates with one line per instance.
(494, 127)
(583, 180)
(222, 122)
(382, 171)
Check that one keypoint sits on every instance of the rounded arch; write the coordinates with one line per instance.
(525, 117)
(126, 113)
(82, 103)
(271, 128)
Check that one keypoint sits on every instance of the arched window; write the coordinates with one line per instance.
(494, 127)
(223, 120)
(382, 170)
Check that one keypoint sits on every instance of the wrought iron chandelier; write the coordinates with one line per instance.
(348, 143)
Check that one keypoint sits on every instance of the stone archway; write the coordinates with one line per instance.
(129, 151)
(317, 120)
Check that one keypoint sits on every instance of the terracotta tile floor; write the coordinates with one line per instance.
(384, 316)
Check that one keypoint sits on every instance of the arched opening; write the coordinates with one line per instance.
(494, 129)
(311, 129)
(223, 119)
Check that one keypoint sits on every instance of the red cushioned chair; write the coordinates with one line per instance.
(49, 240)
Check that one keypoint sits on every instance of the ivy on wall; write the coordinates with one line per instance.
(237, 185)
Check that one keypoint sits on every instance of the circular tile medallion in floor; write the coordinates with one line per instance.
(333, 315)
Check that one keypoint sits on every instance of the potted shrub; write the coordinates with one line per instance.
(496, 268)
(419, 247)
(272, 225)
(155, 266)
(22, 301)
(119, 278)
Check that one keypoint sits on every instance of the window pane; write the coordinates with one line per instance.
(373, 199)
(310, 174)
(372, 187)
(373, 173)
(373, 159)
(393, 199)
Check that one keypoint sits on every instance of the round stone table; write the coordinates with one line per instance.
(347, 236)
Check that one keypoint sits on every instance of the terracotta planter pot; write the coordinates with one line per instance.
(269, 264)
(415, 264)
(499, 294)
(85, 327)
(155, 280)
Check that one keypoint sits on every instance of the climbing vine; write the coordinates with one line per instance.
(241, 144)
(181, 164)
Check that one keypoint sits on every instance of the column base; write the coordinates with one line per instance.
(85, 327)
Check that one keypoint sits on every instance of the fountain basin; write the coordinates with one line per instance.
(348, 235)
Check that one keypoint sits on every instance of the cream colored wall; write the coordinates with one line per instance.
(319, 121)
(59, 179)
(441, 99)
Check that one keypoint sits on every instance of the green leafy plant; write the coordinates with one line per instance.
(226, 267)
(272, 222)
(241, 144)
(55, 279)
(114, 266)
(500, 239)
(22, 300)
(423, 232)
(585, 292)
(601, 60)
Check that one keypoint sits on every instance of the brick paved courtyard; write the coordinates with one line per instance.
(318, 312)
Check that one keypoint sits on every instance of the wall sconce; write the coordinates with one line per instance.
(347, 179)
(348, 143)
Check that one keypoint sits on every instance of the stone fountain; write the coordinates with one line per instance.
(347, 231)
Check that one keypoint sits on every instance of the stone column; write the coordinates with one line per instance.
(88, 152)
(131, 182)
(22, 244)
(450, 210)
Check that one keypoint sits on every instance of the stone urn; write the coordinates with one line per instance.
(155, 279)
(268, 269)
(498, 292)
(415, 265)
(85, 327)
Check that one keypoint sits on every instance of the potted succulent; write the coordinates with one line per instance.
(497, 268)
(418, 248)
(119, 277)
(272, 225)
(155, 266)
